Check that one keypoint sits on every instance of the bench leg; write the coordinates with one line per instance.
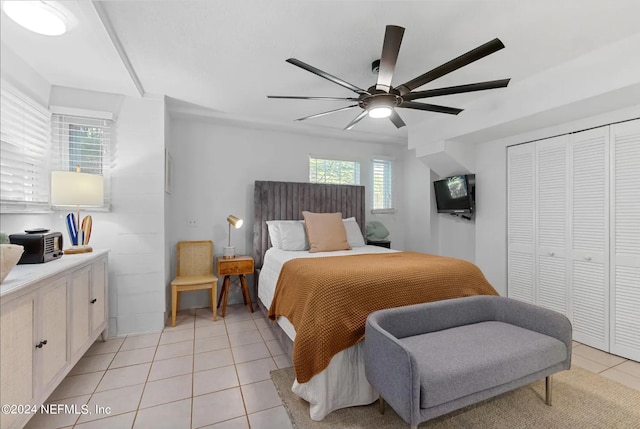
(548, 386)
(381, 405)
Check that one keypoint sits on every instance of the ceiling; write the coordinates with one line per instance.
(228, 55)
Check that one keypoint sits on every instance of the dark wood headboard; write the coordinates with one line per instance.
(287, 200)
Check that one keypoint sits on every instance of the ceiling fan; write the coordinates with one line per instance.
(381, 99)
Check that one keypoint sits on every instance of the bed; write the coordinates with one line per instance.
(341, 382)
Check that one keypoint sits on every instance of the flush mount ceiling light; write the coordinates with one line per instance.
(41, 17)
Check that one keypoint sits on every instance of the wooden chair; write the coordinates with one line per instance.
(194, 272)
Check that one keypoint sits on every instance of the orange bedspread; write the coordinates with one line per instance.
(328, 299)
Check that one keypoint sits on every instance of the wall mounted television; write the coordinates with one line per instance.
(456, 194)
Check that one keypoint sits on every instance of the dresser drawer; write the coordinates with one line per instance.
(234, 267)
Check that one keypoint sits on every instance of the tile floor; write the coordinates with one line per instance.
(205, 374)
(200, 374)
(613, 367)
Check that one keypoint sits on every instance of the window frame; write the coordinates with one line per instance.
(386, 164)
(61, 142)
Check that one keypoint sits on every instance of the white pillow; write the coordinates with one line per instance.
(354, 235)
(293, 236)
(274, 233)
(288, 234)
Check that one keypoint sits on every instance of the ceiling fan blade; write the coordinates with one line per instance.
(430, 107)
(296, 97)
(397, 120)
(390, 49)
(480, 86)
(317, 115)
(326, 75)
(463, 60)
(356, 120)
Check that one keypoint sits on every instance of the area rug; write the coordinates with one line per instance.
(581, 400)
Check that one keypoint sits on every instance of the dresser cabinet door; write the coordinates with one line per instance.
(98, 295)
(79, 310)
(53, 313)
(16, 357)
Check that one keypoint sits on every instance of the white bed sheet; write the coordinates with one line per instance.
(343, 383)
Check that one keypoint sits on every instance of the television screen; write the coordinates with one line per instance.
(454, 195)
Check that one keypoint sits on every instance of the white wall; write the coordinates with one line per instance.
(421, 222)
(216, 165)
(169, 233)
(457, 237)
(134, 227)
(22, 76)
(491, 213)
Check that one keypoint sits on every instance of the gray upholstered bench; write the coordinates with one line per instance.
(429, 359)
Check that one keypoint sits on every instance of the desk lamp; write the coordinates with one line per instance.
(230, 252)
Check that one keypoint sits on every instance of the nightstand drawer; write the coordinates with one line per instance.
(234, 267)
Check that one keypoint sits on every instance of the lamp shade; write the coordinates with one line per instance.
(235, 221)
(69, 188)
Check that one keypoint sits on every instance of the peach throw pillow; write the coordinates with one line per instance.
(326, 232)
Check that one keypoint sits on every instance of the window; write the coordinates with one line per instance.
(85, 142)
(382, 185)
(334, 171)
(25, 129)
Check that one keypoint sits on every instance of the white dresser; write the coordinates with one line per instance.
(50, 314)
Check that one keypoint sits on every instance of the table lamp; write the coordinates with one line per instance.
(230, 252)
(76, 189)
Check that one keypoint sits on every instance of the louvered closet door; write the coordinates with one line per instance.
(521, 221)
(625, 239)
(589, 217)
(552, 209)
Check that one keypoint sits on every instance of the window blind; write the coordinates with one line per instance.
(382, 184)
(25, 131)
(334, 171)
(85, 142)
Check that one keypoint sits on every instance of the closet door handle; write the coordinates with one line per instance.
(41, 343)
(587, 258)
(551, 254)
(93, 301)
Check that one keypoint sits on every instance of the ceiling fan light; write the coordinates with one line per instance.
(380, 112)
(37, 16)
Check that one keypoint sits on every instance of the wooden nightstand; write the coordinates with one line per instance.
(380, 243)
(238, 266)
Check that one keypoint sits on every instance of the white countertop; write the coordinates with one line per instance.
(22, 276)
